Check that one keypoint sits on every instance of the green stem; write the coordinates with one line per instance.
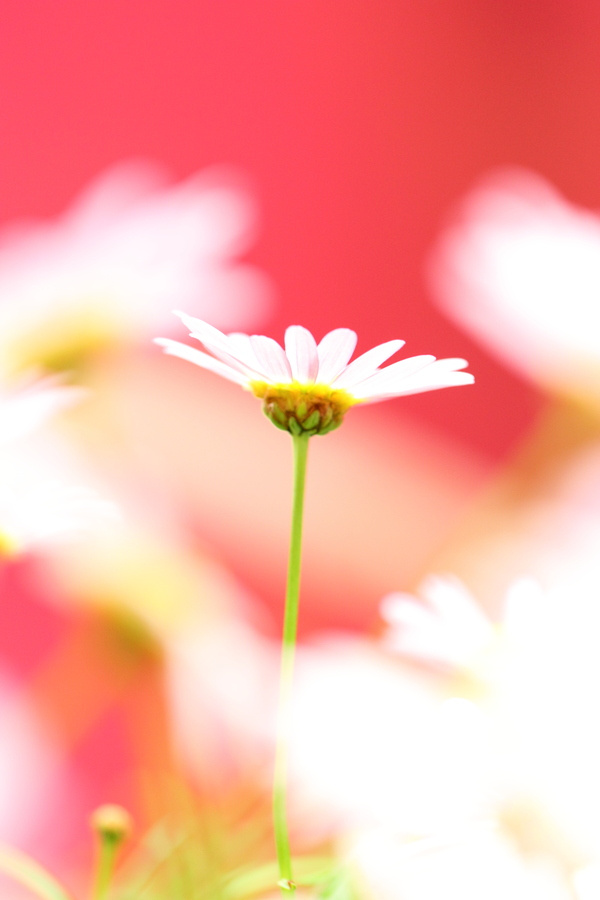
(107, 852)
(288, 646)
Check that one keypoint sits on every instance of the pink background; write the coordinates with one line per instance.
(358, 123)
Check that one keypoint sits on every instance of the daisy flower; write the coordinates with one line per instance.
(519, 266)
(533, 677)
(306, 388)
(104, 273)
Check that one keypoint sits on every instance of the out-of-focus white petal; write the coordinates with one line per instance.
(462, 864)
(399, 608)
(450, 598)
(415, 632)
(200, 358)
(301, 351)
(114, 193)
(335, 351)
(58, 512)
(446, 627)
(524, 608)
(27, 405)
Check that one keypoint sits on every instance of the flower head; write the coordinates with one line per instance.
(307, 387)
(519, 266)
(105, 272)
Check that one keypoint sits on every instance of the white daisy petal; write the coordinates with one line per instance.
(441, 373)
(242, 347)
(420, 384)
(335, 351)
(206, 333)
(235, 361)
(450, 379)
(200, 358)
(271, 358)
(301, 351)
(364, 366)
(234, 350)
(392, 378)
(451, 364)
(221, 345)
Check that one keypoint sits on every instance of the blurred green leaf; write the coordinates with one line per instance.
(32, 875)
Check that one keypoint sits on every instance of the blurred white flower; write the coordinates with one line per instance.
(468, 864)
(446, 625)
(503, 788)
(448, 628)
(519, 266)
(375, 745)
(112, 266)
(486, 783)
(39, 500)
(34, 514)
(536, 679)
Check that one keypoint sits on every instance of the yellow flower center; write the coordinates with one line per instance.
(303, 408)
(8, 545)
(64, 340)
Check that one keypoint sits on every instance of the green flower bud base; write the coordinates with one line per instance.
(303, 409)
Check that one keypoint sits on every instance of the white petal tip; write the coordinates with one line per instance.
(189, 321)
(169, 345)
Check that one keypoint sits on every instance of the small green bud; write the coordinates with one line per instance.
(279, 415)
(326, 417)
(330, 427)
(294, 426)
(111, 823)
(301, 410)
(276, 416)
(312, 421)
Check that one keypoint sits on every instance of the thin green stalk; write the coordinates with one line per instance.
(288, 646)
(111, 824)
(105, 865)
